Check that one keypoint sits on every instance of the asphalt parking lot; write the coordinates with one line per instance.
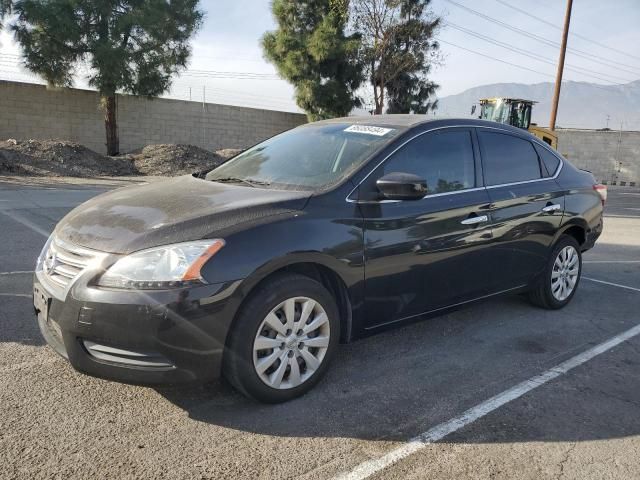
(497, 390)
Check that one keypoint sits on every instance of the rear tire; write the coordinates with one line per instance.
(283, 339)
(561, 277)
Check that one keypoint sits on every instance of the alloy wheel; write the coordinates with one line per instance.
(564, 275)
(291, 343)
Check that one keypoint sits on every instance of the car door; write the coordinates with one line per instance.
(422, 255)
(526, 203)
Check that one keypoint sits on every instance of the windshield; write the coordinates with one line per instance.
(517, 114)
(496, 111)
(312, 157)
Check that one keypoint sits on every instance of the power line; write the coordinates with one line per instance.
(589, 72)
(215, 72)
(496, 59)
(280, 102)
(193, 73)
(603, 87)
(551, 24)
(551, 43)
(181, 91)
(506, 4)
(224, 99)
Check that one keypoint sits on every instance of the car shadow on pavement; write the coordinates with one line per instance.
(396, 384)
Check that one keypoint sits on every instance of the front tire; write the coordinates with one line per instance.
(283, 339)
(561, 277)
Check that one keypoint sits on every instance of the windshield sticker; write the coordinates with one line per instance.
(369, 130)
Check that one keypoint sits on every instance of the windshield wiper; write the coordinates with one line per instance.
(248, 181)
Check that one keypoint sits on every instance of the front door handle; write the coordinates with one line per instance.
(475, 220)
(551, 208)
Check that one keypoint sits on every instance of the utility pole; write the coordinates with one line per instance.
(563, 51)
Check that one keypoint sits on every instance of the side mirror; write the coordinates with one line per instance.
(402, 186)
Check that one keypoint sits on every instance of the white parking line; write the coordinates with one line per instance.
(27, 295)
(611, 283)
(21, 271)
(370, 467)
(27, 223)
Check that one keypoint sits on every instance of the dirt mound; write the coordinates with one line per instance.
(227, 153)
(64, 158)
(171, 160)
(59, 158)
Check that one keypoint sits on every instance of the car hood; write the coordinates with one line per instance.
(175, 210)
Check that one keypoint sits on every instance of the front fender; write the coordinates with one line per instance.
(319, 238)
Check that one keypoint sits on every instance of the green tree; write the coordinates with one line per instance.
(311, 50)
(133, 46)
(398, 52)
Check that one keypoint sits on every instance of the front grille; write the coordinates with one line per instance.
(63, 262)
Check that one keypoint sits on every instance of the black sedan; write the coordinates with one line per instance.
(323, 234)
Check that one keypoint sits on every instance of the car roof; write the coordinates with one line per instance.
(409, 121)
(396, 120)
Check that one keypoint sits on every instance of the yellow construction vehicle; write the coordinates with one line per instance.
(515, 112)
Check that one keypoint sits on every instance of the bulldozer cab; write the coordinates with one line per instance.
(517, 113)
(511, 111)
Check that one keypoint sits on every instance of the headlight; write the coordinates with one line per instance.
(43, 253)
(163, 267)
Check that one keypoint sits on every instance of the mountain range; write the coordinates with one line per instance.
(582, 104)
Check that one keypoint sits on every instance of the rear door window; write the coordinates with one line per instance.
(507, 158)
(549, 161)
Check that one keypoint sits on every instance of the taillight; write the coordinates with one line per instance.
(602, 191)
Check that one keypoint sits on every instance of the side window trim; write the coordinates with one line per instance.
(539, 146)
(522, 182)
(478, 184)
(472, 127)
(543, 166)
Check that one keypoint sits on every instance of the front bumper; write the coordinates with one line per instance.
(141, 337)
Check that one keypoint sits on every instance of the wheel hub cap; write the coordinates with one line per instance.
(291, 343)
(565, 272)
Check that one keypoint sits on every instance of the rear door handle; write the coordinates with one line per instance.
(475, 220)
(551, 208)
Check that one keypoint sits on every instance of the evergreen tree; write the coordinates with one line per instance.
(310, 50)
(133, 46)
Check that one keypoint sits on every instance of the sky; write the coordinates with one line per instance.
(229, 41)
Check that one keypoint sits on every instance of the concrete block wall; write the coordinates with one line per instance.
(34, 111)
(612, 156)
